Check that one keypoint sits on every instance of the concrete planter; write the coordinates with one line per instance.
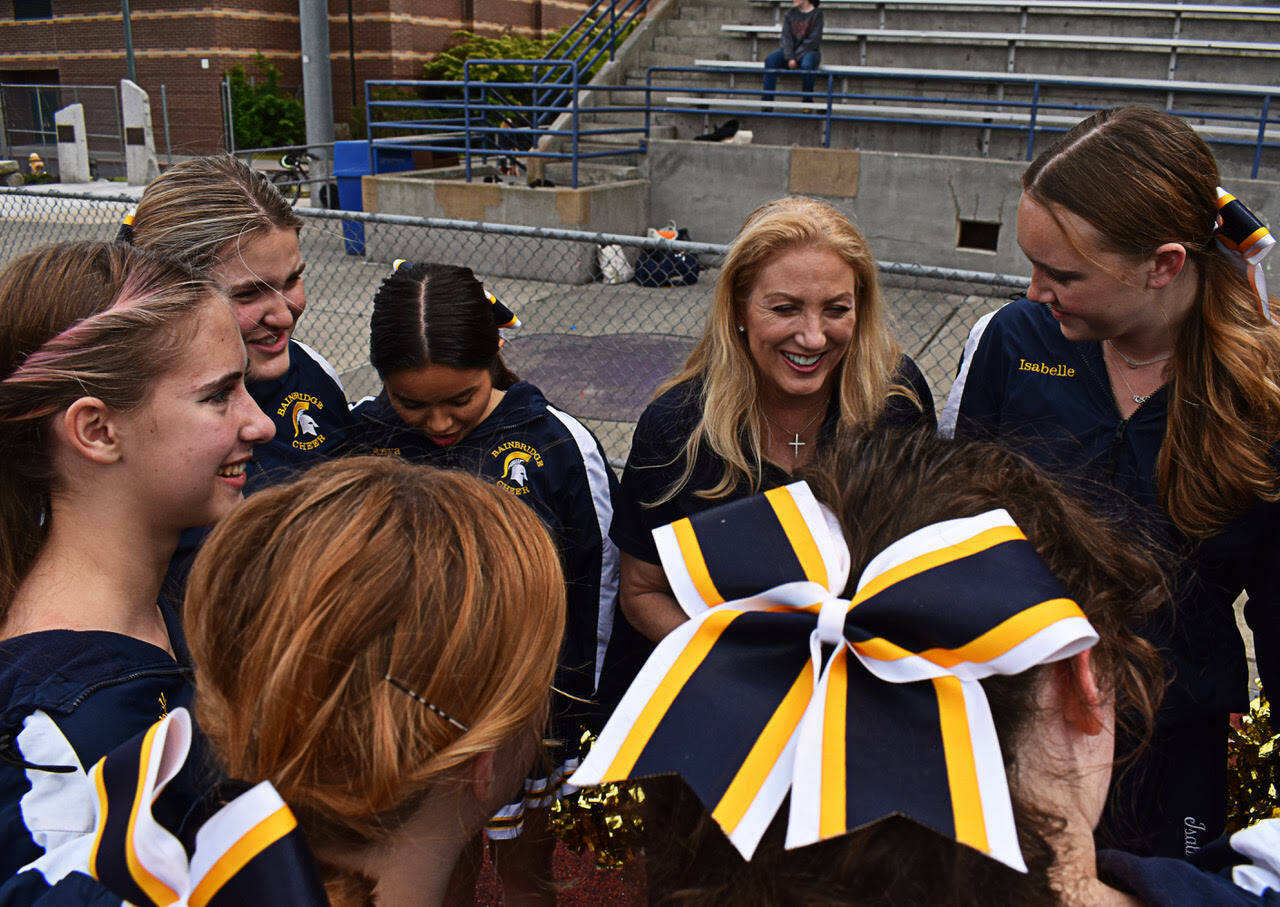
(617, 207)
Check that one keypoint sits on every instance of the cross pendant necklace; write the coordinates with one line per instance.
(795, 444)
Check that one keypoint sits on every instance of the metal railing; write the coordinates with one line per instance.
(1034, 116)
(597, 350)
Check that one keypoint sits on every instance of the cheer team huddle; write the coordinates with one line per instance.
(262, 644)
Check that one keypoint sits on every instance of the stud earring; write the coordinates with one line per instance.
(741, 329)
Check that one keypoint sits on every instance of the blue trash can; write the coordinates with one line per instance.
(350, 163)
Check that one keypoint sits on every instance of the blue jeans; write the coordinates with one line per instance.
(807, 67)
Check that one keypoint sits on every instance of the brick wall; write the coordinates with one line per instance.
(84, 41)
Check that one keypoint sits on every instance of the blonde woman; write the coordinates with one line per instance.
(796, 347)
(1144, 368)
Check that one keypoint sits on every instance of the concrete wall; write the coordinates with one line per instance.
(909, 206)
(621, 207)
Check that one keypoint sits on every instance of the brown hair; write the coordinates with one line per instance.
(196, 208)
(732, 422)
(1143, 178)
(76, 320)
(306, 596)
(883, 486)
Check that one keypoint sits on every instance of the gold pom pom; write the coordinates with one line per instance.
(1253, 766)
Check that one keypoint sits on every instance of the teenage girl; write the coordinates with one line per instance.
(123, 419)
(1143, 367)
(219, 215)
(449, 400)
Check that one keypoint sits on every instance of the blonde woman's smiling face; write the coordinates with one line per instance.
(799, 319)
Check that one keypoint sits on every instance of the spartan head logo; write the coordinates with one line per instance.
(303, 423)
(514, 469)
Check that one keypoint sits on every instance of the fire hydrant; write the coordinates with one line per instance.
(35, 164)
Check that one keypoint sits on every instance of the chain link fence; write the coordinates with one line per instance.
(596, 350)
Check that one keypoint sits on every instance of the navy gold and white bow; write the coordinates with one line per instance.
(1247, 241)
(249, 851)
(861, 708)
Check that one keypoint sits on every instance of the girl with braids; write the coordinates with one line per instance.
(1143, 367)
(393, 684)
(449, 400)
(123, 420)
(219, 215)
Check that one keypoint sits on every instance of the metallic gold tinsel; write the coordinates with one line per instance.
(605, 820)
(1253, 765)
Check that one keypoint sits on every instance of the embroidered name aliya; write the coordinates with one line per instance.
(306, 431)
(1062, 370)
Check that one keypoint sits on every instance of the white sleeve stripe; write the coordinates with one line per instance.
(947, 421)
(598, 480)
(1261, 844)
(323, 363)
(61, 808)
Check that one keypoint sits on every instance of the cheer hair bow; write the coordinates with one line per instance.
(861, 708)
(503, 317)
(1246, 240)
(249, 851)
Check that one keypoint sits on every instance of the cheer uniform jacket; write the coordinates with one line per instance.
(1023, 383)
(70, 696)
(549, 460)
(309, 409)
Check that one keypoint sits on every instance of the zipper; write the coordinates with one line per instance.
(1117, 440)
(88, 691)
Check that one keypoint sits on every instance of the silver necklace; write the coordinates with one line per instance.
(795, 444)
(1134, 363)
(1137, 398)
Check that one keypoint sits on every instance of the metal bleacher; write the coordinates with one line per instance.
(1043, 70)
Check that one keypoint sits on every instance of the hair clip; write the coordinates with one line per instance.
(125, 233)
(436, 709)
(395, 265)
(1246, 241)
(844, 686)
(502, 316)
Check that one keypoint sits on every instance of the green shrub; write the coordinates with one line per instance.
(263, 115)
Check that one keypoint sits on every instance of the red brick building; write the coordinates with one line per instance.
(187, 46)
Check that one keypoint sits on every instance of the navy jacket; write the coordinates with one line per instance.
(1237, 870)
(1023, 383)
(549, 460)
(309, 408)
(69, 697)
(656, 460)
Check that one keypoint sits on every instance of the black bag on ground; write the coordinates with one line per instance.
(667, 267)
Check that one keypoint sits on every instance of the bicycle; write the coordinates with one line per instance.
(295, 173)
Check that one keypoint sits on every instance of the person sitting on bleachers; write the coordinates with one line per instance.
(800, 49)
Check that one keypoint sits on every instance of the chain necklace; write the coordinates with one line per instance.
(796, 444)
(1134, 363)
(1137, 398)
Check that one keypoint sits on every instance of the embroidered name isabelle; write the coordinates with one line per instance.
(1044, 368)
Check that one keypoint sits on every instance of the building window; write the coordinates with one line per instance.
(33, 9)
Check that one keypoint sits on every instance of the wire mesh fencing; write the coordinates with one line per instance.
(597, 350)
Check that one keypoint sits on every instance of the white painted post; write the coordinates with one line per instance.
(73, 144)
(140, 164)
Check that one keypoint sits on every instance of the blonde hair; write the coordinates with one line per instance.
(1143, 178)
(196, 208)
(77, 320)
(730, 405)
(304, 598)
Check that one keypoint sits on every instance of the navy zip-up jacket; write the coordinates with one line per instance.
(549, 460)
(68, 698)
(1022, 383)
